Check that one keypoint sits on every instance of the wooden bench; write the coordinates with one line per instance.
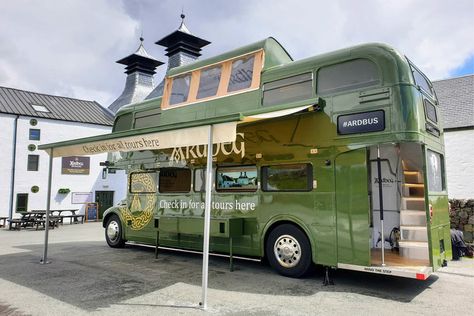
(32, 219)
(220, 227)
(15, 223)
(77, 218)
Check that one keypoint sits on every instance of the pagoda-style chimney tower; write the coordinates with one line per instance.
(182, 48)
(140, 68)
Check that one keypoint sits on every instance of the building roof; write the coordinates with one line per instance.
(182, 40)
(27, 103)
(140, 61)
(456, 99)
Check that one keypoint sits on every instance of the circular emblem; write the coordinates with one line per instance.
(143, 199)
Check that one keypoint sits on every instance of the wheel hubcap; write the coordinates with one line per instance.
(113, 230)
(287, 251)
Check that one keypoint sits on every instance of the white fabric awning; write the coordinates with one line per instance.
(190, 136)
(273, 114)
(224, 132)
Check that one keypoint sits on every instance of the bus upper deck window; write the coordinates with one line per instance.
(421, 80)
(294, 88)
(349, 75)
(180, 89)
(209, 82)
(430, 111)
(241, 74)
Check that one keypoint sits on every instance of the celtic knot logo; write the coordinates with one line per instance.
(143, 200)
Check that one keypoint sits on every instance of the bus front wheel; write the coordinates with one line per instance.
(113, 232)
(288, 251)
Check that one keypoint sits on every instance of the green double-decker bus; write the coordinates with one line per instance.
(336, 160)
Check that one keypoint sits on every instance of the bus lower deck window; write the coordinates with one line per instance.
(242, 178)
(291, 177)
(174, 180)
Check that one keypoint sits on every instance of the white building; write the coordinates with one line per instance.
(28, 119)
(456, 98)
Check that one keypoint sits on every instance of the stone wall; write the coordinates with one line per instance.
(462, 217)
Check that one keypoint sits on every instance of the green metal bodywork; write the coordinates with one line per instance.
(335, 214)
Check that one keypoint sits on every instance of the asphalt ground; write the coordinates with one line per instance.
(85, 276)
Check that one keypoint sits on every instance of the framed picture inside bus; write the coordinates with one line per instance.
(239, 178)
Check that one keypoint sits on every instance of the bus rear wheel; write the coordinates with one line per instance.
(113, 232)
(288, 251)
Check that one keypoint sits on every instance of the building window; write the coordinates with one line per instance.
(35, 134)
(21, 202)
(40, 108)
(33, 162)
(295, 177)
(237, 179)
(174, 180)
(295, 88)
(355, 74)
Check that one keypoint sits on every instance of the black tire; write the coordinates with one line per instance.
(288, 251)
(113, 232)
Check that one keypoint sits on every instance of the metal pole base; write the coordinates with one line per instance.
(327, 280)
(44, 262)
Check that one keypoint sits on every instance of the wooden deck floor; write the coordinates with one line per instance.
(393, 258)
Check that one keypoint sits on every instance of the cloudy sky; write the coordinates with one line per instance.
(69, 47)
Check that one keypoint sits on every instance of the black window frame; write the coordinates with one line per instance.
(174, 192)
(183, 77)
(18, 196)
(32, 164)
(204, 180)
(309, 176)
(234, 87)
(414, 69)
(200, 92)
(426, 104)
(31, 135)
(288, 82)
(351, 87)
(442, 171)
(236, 189)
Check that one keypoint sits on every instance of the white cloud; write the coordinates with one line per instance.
(437, 35)
(69, 47)
(63, 47)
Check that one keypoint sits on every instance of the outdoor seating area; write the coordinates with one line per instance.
(3, 220)
(36, 219)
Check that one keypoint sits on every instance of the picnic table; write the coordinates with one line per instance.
(3, 220)
(71, 215)
(33, 219)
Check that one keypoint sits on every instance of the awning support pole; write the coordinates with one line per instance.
(207, 221)
(44, 260)
(379, 171)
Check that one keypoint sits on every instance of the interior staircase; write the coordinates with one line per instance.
(413, 226)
